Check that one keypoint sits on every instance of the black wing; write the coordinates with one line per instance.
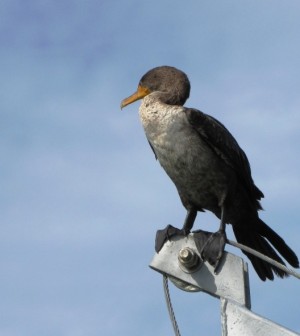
(216, 135)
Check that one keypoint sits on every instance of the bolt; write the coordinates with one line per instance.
(188, 259)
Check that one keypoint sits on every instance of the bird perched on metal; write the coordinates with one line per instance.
(209, 169)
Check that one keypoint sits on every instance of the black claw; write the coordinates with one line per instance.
(163, 235)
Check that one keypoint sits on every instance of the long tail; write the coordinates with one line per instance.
(258, 236)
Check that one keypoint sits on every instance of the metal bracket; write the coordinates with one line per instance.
(231, 281)
(180, 260)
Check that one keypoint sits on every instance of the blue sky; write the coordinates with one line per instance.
(81, 194)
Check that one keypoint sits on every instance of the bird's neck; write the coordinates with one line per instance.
(155, 115)
(152, 108)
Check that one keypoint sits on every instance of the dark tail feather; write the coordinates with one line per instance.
(258, 236)
(286, 252)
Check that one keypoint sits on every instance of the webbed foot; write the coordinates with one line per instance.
(168, 232)
(213, 249)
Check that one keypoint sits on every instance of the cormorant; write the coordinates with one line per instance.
(209, 169)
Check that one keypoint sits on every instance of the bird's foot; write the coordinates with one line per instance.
(168, 232)
(213, 248)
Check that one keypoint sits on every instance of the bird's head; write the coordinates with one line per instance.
(171, 84)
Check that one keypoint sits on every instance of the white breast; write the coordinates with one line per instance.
(185, 157)
(162, 123)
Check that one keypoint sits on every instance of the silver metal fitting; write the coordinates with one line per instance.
(188, 259)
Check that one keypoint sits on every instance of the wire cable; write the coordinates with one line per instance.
(264, 257)
(169, 305)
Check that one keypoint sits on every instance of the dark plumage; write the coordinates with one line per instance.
(208, 167)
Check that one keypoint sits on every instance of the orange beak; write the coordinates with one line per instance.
(140, 93)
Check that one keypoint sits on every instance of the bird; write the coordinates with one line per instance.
(209, 169)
